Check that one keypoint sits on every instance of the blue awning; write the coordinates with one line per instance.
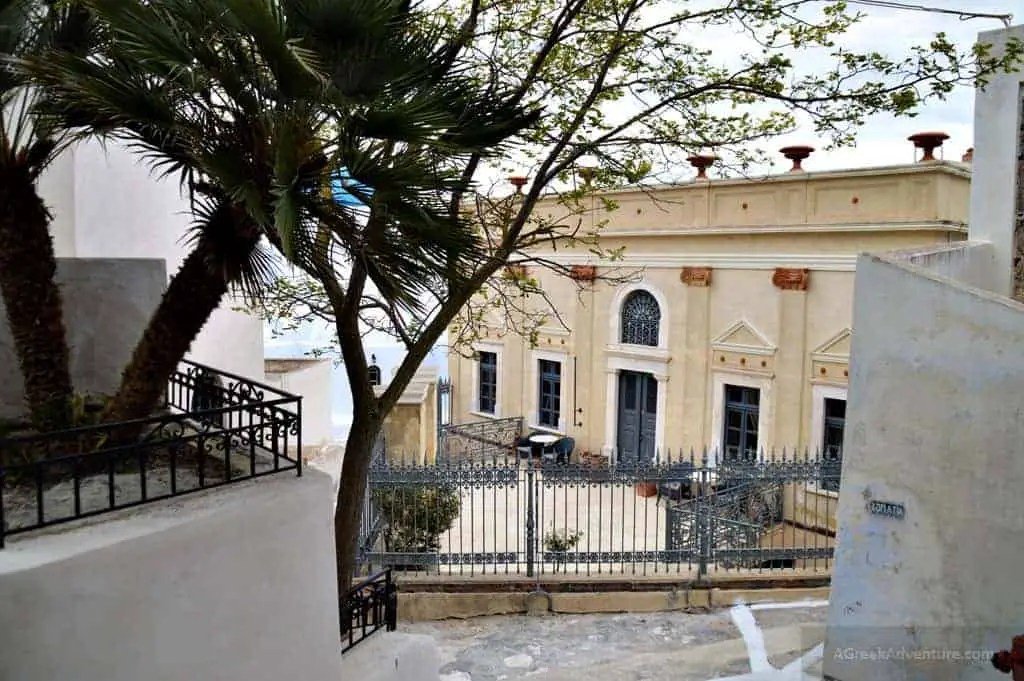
(340, 192)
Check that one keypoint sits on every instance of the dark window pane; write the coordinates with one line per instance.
(652, 395)
(549, 400)
(488, 386)
(741, 422)
(832, 445)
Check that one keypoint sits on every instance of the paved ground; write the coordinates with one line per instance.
(759, 642)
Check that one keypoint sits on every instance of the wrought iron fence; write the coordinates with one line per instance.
(529, 517)
(215, 429)
(370, 606)
(480, 440)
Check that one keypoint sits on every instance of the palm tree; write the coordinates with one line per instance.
(255, 107)
(28, 264)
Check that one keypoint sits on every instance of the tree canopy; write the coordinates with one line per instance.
(629, 89)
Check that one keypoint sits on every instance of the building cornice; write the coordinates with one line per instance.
(732, 230)
(843, 262)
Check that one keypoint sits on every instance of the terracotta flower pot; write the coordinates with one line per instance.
(646, 489)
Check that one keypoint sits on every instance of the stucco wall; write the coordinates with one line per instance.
(933, 423)
(310, 378)
(231, 584)
(107, 304)
(106, 204)
(741, 329)
(997, 124)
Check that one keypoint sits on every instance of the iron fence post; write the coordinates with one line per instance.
(298, 438)
(531, 531)
(391, 605)
(701, 520)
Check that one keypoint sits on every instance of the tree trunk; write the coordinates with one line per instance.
(193, 294)
(32, 299)
(362, 438)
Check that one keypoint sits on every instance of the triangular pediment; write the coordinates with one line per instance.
(836, 346)
(743, 337)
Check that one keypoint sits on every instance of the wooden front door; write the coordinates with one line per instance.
(638, 417)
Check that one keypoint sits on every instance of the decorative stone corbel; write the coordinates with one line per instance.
(696, 276)
(791, 278)
(583, 272)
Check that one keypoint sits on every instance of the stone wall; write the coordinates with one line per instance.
(107, 304)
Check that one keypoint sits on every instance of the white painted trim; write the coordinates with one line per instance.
(822, 354)
(819, 393)
(765, 408)
(652, 363)
(534, 401)
(611, 404)
(611, 414)
(887, 227)
(616, 315)
(844, 262)
(765, 349)
(497, 349)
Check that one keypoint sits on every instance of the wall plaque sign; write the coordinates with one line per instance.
(888, 509)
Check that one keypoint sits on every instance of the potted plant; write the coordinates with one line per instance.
(592, 460)
(558, 543)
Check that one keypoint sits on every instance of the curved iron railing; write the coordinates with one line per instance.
(367, 608)
(215, 429)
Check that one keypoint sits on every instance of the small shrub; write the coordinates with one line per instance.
(560, 541)
(416, 516)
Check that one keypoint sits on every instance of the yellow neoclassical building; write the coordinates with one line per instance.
(734, 335)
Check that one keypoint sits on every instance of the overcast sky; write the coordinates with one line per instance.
(884, 139)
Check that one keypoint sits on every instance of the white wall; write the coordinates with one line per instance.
(934, 422)
(997, 126)
(313, 382)
(107, 304)
(107, 204)
(229, 585)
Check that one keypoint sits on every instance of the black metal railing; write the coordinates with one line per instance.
(368, 607)
(215, 429)
(479, 440)
(690, 514)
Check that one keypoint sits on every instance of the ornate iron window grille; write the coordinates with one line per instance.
(640, 319)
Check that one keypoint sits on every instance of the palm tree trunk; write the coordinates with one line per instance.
(32, 300)
(193, 294)
(362, 438)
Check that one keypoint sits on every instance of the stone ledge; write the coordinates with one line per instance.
(456, 584)
(425, 606)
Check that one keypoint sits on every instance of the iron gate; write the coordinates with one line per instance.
(466, 515)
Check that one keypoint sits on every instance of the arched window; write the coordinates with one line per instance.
(640, 320)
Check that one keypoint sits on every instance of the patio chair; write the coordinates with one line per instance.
(560, 451)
